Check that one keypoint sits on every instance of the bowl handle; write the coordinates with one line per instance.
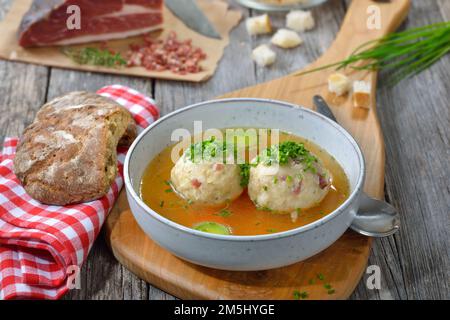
(375, 218)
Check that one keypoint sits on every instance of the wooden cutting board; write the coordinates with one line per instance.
(342, 264)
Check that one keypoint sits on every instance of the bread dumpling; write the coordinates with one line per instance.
(207, 180)
(288, 177)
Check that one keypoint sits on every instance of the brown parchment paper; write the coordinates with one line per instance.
(217, 12)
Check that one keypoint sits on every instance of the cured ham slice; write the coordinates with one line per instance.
(46, 22)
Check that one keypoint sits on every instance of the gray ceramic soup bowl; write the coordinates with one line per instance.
(257, 252)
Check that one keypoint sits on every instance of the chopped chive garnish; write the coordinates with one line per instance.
(245, 174)
(223, 213)
(95, 56)
(300, 295)
(289, 150)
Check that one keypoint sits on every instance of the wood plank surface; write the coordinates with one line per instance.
(414, 117)
(345, 261)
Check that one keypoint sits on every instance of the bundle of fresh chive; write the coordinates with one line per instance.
(403, 54)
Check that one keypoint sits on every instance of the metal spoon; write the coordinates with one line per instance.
(375, 218)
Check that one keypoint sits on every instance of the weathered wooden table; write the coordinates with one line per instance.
(415, 117)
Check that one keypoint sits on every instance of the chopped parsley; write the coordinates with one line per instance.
(168, 190)
(320, 276)
(271, 230)
(300, 295)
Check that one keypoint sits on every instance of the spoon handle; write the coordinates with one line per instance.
(323, 108)
(375, 218)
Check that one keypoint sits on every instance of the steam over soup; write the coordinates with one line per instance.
(287, 185)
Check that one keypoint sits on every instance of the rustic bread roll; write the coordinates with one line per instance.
(68, 154)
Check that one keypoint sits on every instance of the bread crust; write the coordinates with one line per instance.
(68, 154)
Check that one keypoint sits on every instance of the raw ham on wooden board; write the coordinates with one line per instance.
(45, 23)
(218, 12)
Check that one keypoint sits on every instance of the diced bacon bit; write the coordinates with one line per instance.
(297, 188)
(196, 183)
(218, 166)
(323, 182)
(169, 54)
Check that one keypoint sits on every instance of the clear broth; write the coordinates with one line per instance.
(241, 216)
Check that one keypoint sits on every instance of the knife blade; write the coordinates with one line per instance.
(189, 12)
(323, 108)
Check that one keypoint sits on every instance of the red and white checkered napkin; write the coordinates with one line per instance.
(41, 245)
